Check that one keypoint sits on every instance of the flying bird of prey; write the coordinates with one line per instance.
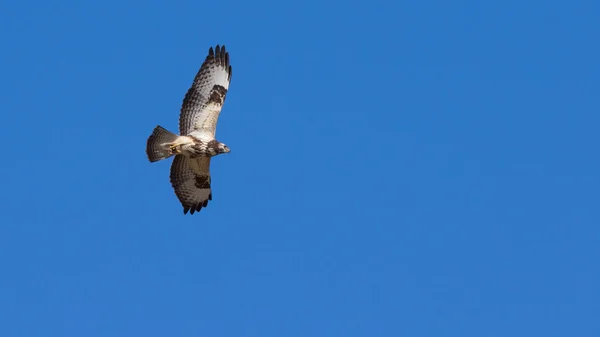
(196, 144)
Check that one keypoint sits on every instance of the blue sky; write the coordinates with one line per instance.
(421, 168)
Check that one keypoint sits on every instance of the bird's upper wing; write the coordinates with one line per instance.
(203, 102)
(190, 179)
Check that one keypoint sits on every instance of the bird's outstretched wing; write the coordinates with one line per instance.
(203, 102)
(190, 179)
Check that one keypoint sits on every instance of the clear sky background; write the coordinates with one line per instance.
(406, 168)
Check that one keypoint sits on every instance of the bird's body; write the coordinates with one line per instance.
(196, 144)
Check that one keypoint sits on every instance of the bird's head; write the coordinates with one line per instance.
(222, 148)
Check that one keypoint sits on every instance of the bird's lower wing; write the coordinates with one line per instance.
(190, 179)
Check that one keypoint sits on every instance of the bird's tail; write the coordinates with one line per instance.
(156, 149)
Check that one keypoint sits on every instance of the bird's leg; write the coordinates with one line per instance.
(174, 148)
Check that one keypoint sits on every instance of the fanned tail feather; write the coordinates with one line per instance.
(154, 148)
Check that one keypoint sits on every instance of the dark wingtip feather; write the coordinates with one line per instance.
(196, 208)
(220, 56)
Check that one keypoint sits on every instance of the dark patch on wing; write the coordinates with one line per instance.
(217, 94)
(202, 181)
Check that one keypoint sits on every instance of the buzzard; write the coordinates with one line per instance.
(196, 144)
